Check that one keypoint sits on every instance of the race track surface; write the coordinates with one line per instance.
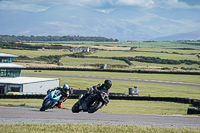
(29, 115)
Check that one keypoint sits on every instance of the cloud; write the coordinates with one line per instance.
(41, 5)
(173, 4)
(141, 3)
(19, 5)
(113, 3)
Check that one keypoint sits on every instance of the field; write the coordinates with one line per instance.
(168, 45)
(147, 54)
(170, 51)
(70, 61)
(33, 53)
(164, 50)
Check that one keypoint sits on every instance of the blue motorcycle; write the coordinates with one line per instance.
(50, 100)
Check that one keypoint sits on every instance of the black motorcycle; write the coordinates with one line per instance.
(92, 103)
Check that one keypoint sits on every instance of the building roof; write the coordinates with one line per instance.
(81, 48)
(7, 55)
(24, 80)
(10, 65)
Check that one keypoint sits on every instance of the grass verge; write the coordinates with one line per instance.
(88, 128)
(115, 106)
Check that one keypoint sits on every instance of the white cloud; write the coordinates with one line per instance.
(138, 3)
(40, 5)
(16, 5)
(172, 4)
(113, 3)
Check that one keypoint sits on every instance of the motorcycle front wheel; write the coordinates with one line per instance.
(76, 108)
(95, 105)
(45, 106)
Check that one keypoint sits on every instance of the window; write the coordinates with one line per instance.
(6, 60)
(10, 72)
(15, 89)
(1, 89)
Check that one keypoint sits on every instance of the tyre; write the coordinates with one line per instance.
(95, 105)
(75, 108)
(45, 106)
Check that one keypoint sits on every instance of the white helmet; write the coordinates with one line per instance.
(66, 86)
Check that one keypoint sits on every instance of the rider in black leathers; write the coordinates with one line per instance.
(100, 87)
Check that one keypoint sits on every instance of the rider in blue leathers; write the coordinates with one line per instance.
(64, 92)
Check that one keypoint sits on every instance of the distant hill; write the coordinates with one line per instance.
(122, 24)
(182, 36)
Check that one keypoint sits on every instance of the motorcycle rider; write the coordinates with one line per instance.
(64, 92)
(100, 87)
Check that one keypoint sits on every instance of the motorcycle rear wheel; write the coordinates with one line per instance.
(95, 105)
(45, 106)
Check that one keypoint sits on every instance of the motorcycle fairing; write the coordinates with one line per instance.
(53, 97)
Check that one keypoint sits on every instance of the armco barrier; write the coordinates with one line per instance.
(194, 102)
(166, 99)
(22, 96)
(193, 111)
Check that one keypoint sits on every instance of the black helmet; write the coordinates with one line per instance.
(107, 84)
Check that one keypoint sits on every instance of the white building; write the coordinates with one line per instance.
(10, 80)
(76, 49)
(27, 85)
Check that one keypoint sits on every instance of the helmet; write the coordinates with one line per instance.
(65, 87)
(107, 84)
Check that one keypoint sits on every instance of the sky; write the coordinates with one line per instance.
(101, 5)
(154, 17)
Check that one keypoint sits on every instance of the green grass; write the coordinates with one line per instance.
(115, 106)
(133, 44)
(145, 107)
(153, 66)
(31, 53)
(162, 45)
(146, 54)
(168, 50)
(69, 61)
(89, 128)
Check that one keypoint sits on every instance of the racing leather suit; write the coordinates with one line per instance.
(64, 96)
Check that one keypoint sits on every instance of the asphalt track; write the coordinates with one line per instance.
(123, 79)
(29, 115)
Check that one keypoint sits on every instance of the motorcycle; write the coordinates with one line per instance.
(50, 100)
(92, 103)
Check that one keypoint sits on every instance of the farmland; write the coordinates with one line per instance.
(185, 53)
